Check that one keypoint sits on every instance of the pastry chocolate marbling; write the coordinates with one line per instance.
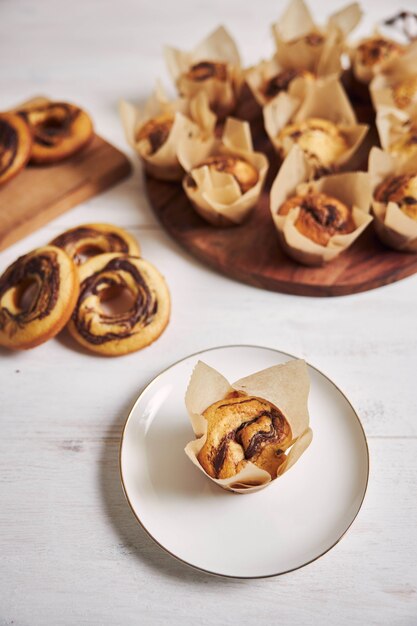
(321, 140)
(242, 428)
(88, 240)
(245, 174)
(154, 133)
(376, 50)
(203, 70)
(15, 145)
(282, 80)
(37, 295)
(320, 217)
(59, 130)
(110, 276)
(400, 189)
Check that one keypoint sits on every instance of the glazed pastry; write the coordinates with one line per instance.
(406, 145)
(107, 276)
(37, 295)
(321, 140)
(204, 70)
(15, 145)
(243, 172)
(321, 216)
(154, 133)
(402, 190)
(405, 92)
(281, 82)
(242, 428)
(86, 241)
(59, 130)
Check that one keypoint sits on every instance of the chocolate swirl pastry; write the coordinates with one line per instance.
(400, 189)
(376, 50)
(59, 130)
(321, 216)
(203, 70)
(154, 133)
(86, 241)
(37, 295)
(281, 82)
(404, 93)
(143, 319)
(322, 141)
(245, 174)
(243, 428)
(15, 145)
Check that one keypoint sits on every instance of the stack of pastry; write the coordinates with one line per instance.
(68, 283)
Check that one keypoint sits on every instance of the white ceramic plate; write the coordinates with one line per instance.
(292, 522)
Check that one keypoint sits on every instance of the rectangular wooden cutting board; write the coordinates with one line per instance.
(38, 194)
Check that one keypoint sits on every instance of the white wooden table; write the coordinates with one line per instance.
(70, 549)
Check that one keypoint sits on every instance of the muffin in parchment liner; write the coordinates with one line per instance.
(396, 83)
(351, 191)
(397, 130)
(394, 206)
(324, 125)
(370, 55)
(302, 44)
(213, 66)
(252, 431)
(224, 176)
(155, 131)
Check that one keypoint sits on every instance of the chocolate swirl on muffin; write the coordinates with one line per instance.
(245, 174)
(402, 190)
(204, 70)
(281, 82)
(154, 133)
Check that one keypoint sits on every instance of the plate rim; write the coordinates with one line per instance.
(196, 567)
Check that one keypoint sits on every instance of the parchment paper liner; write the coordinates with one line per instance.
(352, 188)
(192, 117)
(217, 196)
(392, 73)
(394, 228)
(217, 46)
(285, 386)
(392, 124)
(365, 73)
(297, 21)
(325, 99)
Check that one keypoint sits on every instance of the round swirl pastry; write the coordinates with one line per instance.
(59, 130)
(245, 174)
(281, 82)
(375, 50)
(154, 133)
(243, 428)
(37, 295)
(15, 145)
(405, 92)
(321, 216)
(86, 241)
(111, 276)
(400, 189)
(321, 140)
(203, 70)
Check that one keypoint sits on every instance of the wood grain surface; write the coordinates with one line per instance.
(250, 251)
(38, 194)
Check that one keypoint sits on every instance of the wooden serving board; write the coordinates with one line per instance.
(38, 194)
(250, 252)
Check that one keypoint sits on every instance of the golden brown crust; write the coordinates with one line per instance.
(405, 92)
(321, 140)
(59, 130)
(88, 240)
(281, 82)
(154, 133)
(15, 145)
(400, 189)
(117, 333)
(203, 70)
(245, 174)
(243, 428)
(376, 50)
(52, 277)
(321, 216)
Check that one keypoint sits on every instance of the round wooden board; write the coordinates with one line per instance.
(250, 252)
